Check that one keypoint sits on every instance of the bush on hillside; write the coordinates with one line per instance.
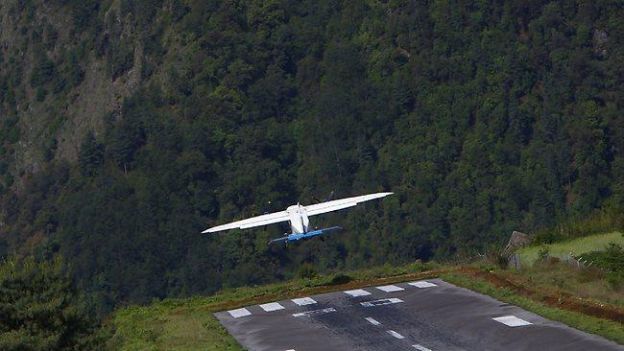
(41, 310)
(611, 261)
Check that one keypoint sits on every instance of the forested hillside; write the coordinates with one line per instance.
(127, 127)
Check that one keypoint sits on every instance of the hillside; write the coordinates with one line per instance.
(127, 127)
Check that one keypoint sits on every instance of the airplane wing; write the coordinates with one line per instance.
(336, 205)
(276, 217)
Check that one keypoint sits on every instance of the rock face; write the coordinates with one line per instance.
(600, 40)
(517, 240)
(65, 80)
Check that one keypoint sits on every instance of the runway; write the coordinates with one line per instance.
(430, 315)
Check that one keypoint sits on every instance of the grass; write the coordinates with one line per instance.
(172, 325)
(529, 255)
(585, 283)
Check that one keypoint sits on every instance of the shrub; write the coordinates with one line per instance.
(611, 261)
(339, 279)
(42, 310)
(543, 254)
(307, 271)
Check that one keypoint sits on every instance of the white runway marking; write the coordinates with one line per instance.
(390, 288)
(420, 348)
(272, 306)
(380, 302)
(372, 321)
(395, 334)
(512, 321)
(422, 284)
(304, 301)
(357, 292)
(309, 313)
(241, 312)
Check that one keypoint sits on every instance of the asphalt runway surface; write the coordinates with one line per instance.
(424, 315)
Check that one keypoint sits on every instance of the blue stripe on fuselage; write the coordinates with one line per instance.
(307, 235)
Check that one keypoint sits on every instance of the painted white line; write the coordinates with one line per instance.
(272, 306)
(395, 334)
(241, 312)
(291, 350)
(372, 321)
(309, 313)
(512, 321)
(390, 288)
(304, 301)
(420, 348)
(422, 284)
(357, 292)
(380, 302)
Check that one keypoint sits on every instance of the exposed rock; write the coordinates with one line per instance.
(600, 40)
(516, 240)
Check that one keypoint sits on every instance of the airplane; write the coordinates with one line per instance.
(298, 215)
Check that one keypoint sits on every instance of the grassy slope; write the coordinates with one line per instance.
(587, 284)
(188, 324)
(578, 246)
(171, 325)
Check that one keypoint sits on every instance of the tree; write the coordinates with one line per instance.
(91, 155)
(40, 310)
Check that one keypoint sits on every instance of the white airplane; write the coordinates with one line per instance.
(298, 217)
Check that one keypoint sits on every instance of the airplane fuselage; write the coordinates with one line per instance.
(299, 222)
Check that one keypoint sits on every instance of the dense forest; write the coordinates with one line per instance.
(128, 127)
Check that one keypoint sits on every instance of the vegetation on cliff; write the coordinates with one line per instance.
(127, 127)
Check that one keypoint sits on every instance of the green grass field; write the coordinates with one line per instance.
(529, 255)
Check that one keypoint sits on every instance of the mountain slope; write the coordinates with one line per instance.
(130, 126)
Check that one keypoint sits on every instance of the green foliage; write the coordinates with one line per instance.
(91, 155)
(611, 260)
(543, 254)
(44, 70)
(339, 279)
(599, 221)
(306, 271)
(596, 242)
(41, 310)
(483, 118)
